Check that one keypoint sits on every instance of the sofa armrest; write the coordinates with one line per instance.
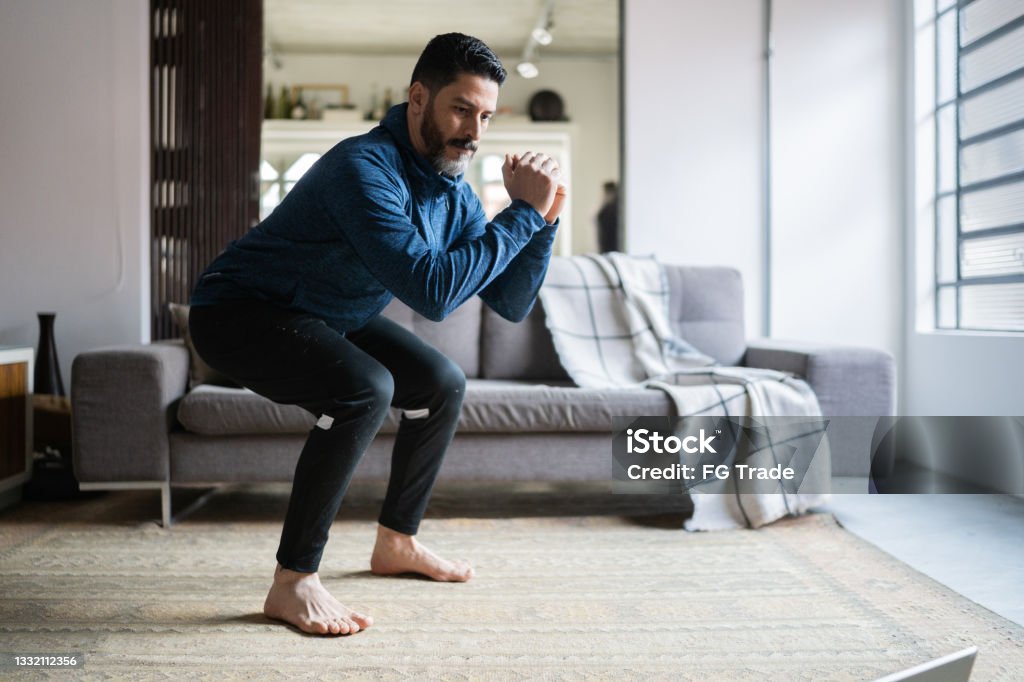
(848, 380)
(856, 384)
(123, 403)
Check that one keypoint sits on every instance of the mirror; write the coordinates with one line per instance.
(343, 63)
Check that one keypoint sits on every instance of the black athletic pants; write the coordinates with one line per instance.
(347, 381)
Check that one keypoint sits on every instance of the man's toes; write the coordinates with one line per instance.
(343, 626)
(316, 627)
(353, 627)
(364, 621)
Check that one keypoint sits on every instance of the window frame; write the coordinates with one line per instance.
(940, 193)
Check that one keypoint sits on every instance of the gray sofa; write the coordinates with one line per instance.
(137, 424)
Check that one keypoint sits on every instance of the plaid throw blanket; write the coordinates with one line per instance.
(609, 319)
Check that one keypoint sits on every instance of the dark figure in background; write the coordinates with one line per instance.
(608, 220)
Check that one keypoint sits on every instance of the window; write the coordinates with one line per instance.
(274, 183)
(977, 113)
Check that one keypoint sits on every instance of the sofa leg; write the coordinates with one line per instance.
(163, 486)
(165, 504)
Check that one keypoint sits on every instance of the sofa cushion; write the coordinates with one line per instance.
(522, 350)
(517, 406)
(490, 406)
(220, 411)
(458, 336)
(706, 309)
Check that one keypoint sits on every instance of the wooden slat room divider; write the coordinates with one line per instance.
(206, 112)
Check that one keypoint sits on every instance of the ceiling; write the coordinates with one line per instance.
(405, 26)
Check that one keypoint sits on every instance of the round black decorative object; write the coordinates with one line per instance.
(46, 378)
(547, 105)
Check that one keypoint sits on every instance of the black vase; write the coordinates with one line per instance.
(47, 374)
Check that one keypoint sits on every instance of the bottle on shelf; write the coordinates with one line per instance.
(268, 102)
(387, 101)
(284, 104)
(299, 110)
(374, 110)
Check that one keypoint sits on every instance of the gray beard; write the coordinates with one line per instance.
(446, 166)
(437, 147)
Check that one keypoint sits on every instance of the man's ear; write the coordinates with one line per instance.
(418, 97)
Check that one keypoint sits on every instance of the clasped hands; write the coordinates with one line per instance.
(534, 179)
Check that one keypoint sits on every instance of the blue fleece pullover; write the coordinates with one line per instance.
(372, 220)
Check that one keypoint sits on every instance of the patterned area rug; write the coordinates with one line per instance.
(571, 583)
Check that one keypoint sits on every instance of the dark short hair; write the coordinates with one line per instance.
(449, 55)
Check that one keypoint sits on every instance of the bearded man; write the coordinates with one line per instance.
(292, 310)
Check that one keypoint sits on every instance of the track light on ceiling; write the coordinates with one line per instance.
(540, 35)
(527, 69)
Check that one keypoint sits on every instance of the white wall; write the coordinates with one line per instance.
(588, 86)
(694, 155)
(73, 183)
(837, 223)
(693, 142)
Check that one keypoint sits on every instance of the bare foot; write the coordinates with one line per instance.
(300, 599)
(399, 553)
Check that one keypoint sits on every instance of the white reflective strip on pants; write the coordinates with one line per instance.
(417, 414)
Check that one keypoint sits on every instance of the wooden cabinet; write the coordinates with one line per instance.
(15, 421)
